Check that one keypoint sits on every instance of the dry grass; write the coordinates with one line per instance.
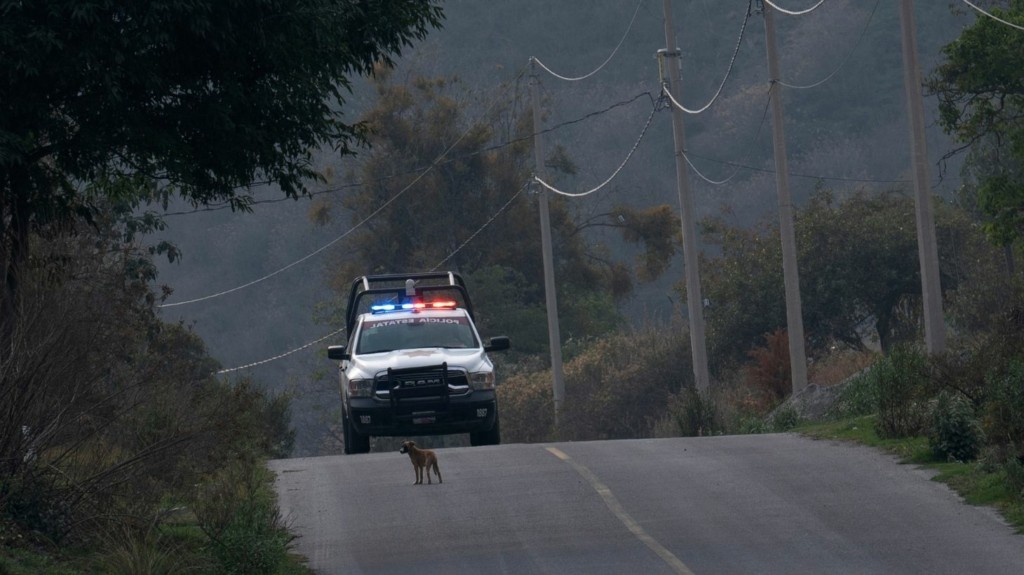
(838, 367)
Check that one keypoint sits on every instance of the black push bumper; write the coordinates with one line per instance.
(461, 415)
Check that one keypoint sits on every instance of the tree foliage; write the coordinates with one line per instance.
(441, 189)
(858, 267)
(130, 102)
(981, 103)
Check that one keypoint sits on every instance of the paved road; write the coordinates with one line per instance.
(739, 504)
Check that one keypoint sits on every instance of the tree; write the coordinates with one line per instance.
(137, 102)
(441, 190)
(981, 103)
(858, 267)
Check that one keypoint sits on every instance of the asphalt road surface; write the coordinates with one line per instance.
(738, 504)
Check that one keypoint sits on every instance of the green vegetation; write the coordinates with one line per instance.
(981, 97)
(121, 449)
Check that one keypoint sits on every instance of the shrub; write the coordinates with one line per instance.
(857, 398)
(901, 389)
(955, 432)
(770, 367)
(1004, 408)
(695, 413)
(238, 512)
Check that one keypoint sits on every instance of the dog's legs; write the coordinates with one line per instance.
(437, 470)
(419, 473)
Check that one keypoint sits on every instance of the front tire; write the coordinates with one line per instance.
(489, 437)
(355, 442)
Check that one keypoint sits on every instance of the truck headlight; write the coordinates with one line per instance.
(360, 387)
(482, 380)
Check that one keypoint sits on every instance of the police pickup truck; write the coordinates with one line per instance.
(414, 363)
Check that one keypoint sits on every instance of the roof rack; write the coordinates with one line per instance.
(400, 285)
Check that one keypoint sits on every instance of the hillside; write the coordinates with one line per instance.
(848, 133)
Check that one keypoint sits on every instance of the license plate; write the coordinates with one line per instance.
(422, 420)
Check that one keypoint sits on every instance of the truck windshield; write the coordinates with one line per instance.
(380, 335)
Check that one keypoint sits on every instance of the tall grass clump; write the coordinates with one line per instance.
(901, 393)
(955, 433)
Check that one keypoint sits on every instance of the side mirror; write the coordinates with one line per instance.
(338, 352)
(498, 343)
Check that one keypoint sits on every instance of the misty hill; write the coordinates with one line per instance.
(847, 133)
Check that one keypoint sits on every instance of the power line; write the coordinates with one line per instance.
(277, 357)
(472, 236)
(799, 175)
(422, 172)
(498, 146)
(728, 72)
(647, 125)
(753, 139)
(308, 256)
(993, 16)
(794, 12)
(844, 60)
(609, 59)
(433, 165)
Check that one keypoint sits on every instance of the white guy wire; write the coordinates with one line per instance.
(845, 59)
(285, 354)
(732, 62)
(993, 16)
(794, 12)
(615, 173)
(609, 59)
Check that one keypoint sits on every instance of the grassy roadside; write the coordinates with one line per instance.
(976, 482)
(234, 530)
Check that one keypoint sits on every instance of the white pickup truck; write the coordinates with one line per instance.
(414, 363)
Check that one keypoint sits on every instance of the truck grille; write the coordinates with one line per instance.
(458, 382)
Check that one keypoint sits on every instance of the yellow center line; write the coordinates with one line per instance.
(616, 508)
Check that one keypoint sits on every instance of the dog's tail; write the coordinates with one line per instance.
(437, 471)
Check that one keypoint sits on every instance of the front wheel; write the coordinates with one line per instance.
(355, 442)
(490, 437)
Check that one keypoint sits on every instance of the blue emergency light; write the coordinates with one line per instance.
(413, 306)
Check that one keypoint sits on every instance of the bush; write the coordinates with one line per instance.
(955, 432)
(1004, 408)
(857, 398)
(238, 512)
(696, 413)
(901, 380)
(770, 367)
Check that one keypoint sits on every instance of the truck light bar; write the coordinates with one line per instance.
(413, 305)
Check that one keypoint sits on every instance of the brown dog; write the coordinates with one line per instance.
(422, 460)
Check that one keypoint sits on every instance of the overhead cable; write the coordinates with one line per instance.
(794, 12)
(736, 169)
(433, 165)
(336, 332)
(993, 16)
(728, 71)
(277, 357)
(505, 144)
(308, 256)
(647, 125)
(609, 59)
(845, 59)
(799, 175)
(473, 236)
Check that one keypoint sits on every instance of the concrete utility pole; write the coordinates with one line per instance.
(550, 296)
(670, 58)
(791, 274)
(927, 246)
